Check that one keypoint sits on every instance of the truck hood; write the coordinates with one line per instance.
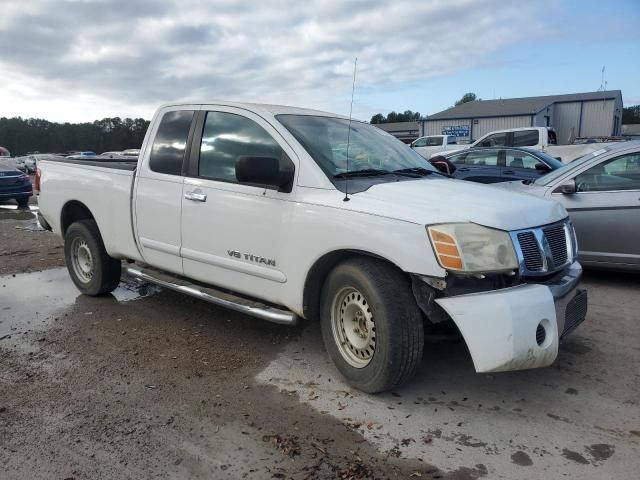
(440, 200)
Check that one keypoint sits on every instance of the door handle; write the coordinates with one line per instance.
(195, 196)
(508, 172)
(463, 169)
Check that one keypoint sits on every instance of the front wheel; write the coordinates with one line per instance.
(371, 325)
(91, 268)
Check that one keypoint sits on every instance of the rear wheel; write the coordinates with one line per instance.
(371, 325)
(91, 268)
(23, 202)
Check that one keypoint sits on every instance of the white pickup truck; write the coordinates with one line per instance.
(248, 206)
(540, 138)
(426, 146)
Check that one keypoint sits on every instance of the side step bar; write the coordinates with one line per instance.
(212, 295)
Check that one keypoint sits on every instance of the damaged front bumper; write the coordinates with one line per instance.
(519, 327)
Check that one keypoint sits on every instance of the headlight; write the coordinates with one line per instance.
(467, 247)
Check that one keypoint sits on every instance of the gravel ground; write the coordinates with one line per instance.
(147, 383)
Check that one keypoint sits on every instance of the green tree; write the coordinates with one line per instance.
(468, 97)
(631, 114)
(406, 116)
(378, 118)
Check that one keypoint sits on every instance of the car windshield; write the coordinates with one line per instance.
(551, 176)
(371, 150)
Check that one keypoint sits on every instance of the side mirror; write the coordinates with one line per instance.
(265, 172)
(567, 188)
(543, 167)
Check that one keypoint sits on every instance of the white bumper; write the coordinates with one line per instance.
(499, 327)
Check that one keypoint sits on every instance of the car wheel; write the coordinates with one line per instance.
(371, 325)
(91, 268)
(23, 202)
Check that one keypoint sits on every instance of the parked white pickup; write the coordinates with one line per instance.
(427, 146)
(253, 207)
(540, 138)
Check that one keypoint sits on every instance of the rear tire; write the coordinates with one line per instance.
(371, 325)
(91, 268)
(23, 202)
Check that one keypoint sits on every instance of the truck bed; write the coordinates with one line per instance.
(103, 186)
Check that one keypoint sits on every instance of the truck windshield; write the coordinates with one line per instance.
(370, 149)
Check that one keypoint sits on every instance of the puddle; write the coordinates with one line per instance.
(30, 301)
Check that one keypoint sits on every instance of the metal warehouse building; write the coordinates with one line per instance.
(589, 114)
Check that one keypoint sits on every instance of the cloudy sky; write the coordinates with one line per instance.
(80, 60)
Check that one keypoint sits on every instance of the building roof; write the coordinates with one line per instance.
(517, 106)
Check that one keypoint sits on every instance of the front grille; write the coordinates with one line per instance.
(530, 251)
(575, 313)
(542, 250)
(557, 239)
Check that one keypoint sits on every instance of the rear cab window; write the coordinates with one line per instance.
(170, 143)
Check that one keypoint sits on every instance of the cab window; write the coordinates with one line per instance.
(525, 138)
(227, 137)
(421, 142)
(170, 144)
(495, 140)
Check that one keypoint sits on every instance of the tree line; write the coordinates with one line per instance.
(23, 135)
(410, 116)
(631, 114)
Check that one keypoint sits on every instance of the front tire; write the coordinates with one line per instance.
(371, 325)
(91, 268)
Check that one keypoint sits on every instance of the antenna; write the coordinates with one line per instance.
(603, 82)
(353, 88)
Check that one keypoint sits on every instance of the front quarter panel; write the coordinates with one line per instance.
(320, 229)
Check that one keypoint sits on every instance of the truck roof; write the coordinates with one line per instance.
(259, 107)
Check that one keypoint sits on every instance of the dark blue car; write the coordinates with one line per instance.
(14, 184)
(499, 164)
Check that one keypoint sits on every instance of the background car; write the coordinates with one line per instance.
(499, 164)
(14, 184)
(601, 192)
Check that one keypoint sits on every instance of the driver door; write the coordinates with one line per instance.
(234, 233)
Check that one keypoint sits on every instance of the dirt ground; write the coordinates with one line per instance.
(146, 383)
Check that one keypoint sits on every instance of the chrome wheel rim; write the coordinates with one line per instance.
(81, 260)
(353, 326)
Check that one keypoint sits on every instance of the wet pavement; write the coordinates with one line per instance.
(146, 383)
(578, 418)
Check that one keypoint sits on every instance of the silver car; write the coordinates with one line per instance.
(601, 192)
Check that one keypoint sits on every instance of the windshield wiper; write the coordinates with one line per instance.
(367, 172)
(414, 172)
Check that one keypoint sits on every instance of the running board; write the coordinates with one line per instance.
(213, 295)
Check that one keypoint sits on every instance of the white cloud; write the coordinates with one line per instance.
(81, 60)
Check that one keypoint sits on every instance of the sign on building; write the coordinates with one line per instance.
(457, 131)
